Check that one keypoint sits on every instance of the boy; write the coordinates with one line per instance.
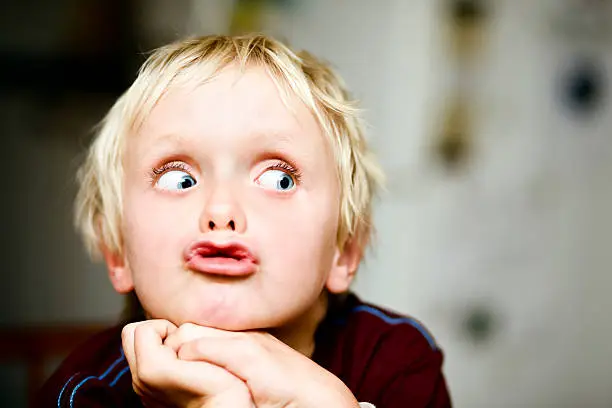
(230, 190)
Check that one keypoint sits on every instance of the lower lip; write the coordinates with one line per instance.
(222, 266)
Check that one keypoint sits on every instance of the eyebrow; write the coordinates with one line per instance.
(265, 138)
(273, 138)
(263, 143)
(157, 144)
(168, 138)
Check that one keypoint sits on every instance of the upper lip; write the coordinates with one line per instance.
(230, 249)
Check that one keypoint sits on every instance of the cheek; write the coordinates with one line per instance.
(152, 227)
(301, 232)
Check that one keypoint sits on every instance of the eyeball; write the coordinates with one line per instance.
(276, 180)
(175, 180)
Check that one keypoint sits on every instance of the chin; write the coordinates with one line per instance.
(225, 320)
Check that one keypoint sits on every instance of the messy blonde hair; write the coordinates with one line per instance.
(99, 199)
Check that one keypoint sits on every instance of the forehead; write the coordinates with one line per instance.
(232, 100)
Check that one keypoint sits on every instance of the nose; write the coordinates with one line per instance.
(230, 225)
(222, 212)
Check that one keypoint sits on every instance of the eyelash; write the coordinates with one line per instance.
(156, 172)
(293, 171)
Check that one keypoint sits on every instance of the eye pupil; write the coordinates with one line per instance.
(285, 182)
(186, 182)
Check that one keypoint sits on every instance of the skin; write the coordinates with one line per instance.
(257, 171)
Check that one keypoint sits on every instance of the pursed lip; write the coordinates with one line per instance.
(227, 258)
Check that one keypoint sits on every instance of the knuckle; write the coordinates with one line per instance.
(261, 337)
(138, 331)
(188, 331)
(199, 347)
(127, 330)
(249, 350)
(187, 326)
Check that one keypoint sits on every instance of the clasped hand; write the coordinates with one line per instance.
(200, 367)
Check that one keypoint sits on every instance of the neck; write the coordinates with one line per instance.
(300, 333)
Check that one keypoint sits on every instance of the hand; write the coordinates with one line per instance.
(161, 379)
(276, 375)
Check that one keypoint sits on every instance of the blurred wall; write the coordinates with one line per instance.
(506, 260)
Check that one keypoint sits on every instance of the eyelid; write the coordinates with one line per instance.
(172, 165)
(287, 167)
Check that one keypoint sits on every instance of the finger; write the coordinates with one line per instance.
(186, 332)
(127, 341)
(207, 377)
(239, 355)
(189, 331)
(152, 332)
(151, 356)
(158, 366)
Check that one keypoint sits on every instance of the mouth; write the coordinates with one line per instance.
(221, 259)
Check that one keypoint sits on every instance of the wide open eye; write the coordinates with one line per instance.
(275, 179)
(175, 180)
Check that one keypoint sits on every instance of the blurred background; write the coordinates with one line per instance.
(492, 120)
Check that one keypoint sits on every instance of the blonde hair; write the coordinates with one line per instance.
(99, 198)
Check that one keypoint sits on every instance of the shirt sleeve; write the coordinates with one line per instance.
(84, 391)
(94, 375)
(88, 392)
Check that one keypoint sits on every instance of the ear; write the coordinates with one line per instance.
(118, 271)
(346, 261)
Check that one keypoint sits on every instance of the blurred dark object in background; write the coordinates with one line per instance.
(62, 64)
(583, 86)
(64, 46)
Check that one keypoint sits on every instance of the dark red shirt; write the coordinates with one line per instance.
(384, 358)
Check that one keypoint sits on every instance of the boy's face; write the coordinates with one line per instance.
(227, 163)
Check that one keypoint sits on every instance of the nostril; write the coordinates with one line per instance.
(211, 225)
(232, 225)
